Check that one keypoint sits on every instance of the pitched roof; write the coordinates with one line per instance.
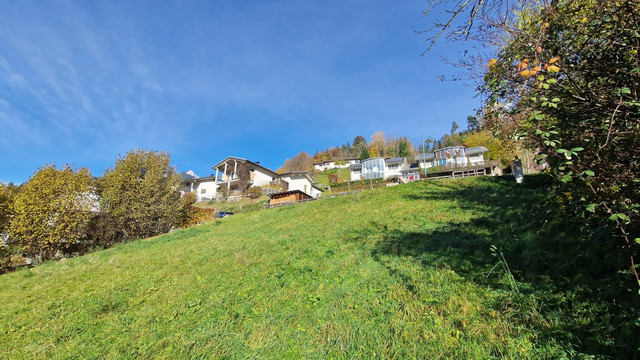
(304, 173)
(329, 161)
(188, 175)
(284, 193)
(476, 150)
(425, 157)
(253, 164)
(394, 160)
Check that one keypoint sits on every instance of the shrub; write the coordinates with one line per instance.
(195, 215)
(6, 206)
(5, 259)
(254, 192)
(333, 178)
(142, 192)
(104, 230)
(187, 199)
(52, 210)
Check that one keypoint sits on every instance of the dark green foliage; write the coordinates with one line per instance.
(580, 108)
(359, 140)
(364, 154)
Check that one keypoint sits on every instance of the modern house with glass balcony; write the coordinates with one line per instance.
(452, 157)
(378, 168)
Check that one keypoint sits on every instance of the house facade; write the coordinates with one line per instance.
(285, 197)
(226, 180)
(303, 181)
(378, 168)
(227, 173)
(205, 188)
(333, 164)
(452, 156)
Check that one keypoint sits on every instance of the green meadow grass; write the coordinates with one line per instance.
(401, 272)
(323, 176)
(244, 205)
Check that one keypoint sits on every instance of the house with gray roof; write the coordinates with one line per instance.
(378, 168)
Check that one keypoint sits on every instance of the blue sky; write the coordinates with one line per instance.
(82, 82)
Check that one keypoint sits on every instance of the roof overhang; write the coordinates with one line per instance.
(300, 173)
(241, 160)
(285, 193)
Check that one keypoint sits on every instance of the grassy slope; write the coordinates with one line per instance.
(323, 177)
(374, 274)
(242, 206)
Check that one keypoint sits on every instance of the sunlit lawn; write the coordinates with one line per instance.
(378, 274)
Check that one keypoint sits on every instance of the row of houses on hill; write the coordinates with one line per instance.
(227, 180)
(450, 159)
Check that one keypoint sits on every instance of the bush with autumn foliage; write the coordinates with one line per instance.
(141, 190)
(52, 210)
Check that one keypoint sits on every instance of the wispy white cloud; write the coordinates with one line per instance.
(93, 79)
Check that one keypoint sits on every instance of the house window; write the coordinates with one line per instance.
(393, 167)
(203, 191)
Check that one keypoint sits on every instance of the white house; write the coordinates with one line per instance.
(379, 168)
(303, 181)
(332, 164)
(205, 188)
(453, 156)
(227, 173)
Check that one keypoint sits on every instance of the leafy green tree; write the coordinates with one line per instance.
(575, 96)
(141, 190)
(359, 143)
(7, 196)
(473, 123)
(359, 140)
(454, 128)
(52, 210)
(499, 149)
(6, 214)
(364, 154)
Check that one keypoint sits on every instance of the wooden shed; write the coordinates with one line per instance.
(288, 197)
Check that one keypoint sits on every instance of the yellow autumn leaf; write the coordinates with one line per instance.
(554, 68)
(554, 60)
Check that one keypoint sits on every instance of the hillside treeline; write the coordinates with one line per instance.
(381, 145)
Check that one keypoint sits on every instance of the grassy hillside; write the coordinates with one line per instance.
(401, 272)
(323, 177)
